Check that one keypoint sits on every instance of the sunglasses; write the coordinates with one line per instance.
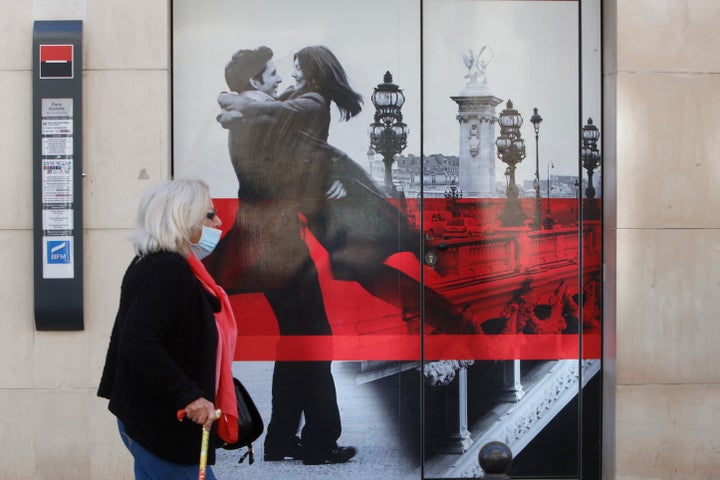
(211, 214)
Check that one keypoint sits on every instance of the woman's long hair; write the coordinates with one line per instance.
(324, 74)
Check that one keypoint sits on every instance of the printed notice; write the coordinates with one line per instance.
(57, 107)
(57, 181)
(57, 187)
(59, 220)
(62, 126)
(57, 127)
(57, 146)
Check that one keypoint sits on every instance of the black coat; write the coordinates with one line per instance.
(285, 166)
(162, 356)
(362, 229)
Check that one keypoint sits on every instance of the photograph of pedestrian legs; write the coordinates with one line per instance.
(369, 419)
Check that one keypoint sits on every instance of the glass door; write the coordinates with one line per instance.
(511, 216)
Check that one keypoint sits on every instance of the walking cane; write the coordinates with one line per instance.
(203, 443)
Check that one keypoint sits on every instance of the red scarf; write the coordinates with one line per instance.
(227, 336)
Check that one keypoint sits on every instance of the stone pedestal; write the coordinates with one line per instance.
(476, 114)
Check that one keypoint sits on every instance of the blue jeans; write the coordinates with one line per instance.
(151, 467)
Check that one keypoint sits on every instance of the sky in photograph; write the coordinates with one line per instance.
(534, 47)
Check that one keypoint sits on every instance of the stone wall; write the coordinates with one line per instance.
(662, 249)
(52, 425)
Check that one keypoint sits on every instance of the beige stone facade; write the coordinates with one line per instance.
(662, 381)
(661, 130)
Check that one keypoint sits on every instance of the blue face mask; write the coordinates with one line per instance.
(207, 243)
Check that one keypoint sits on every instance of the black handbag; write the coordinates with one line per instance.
(250, 424)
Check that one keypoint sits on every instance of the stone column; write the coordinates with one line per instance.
(512, 385)
(476, 114)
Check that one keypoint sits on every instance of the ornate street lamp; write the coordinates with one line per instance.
(536, 119)
(548, 223)
(452, 196)
(590, 160)
(388, 133)
(511, 151)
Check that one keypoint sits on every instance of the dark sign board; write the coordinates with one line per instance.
(57, 174)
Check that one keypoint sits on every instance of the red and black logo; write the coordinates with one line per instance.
(56, 61)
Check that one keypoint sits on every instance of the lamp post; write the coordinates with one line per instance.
(536, 119)
(370, 156)
(548, 222)
(590, 161)
(388, 133)
(452, 196)
(511, 151)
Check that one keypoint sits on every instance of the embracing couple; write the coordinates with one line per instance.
(291, 179)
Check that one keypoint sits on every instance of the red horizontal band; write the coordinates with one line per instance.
(411, 348)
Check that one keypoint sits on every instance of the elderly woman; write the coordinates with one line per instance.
(173, 339)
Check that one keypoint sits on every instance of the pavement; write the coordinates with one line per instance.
(366, 422)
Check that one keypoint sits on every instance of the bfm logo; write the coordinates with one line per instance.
(58, 251)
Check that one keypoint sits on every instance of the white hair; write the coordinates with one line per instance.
(168, 214)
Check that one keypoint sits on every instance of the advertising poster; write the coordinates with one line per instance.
(410, 196)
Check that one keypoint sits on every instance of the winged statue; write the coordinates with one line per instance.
(477, 64)
(471, 62)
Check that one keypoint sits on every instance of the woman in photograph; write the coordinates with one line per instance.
(171, 347)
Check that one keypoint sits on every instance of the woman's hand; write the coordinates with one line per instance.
(202, 412)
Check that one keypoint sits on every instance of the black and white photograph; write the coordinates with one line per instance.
(411, 200)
